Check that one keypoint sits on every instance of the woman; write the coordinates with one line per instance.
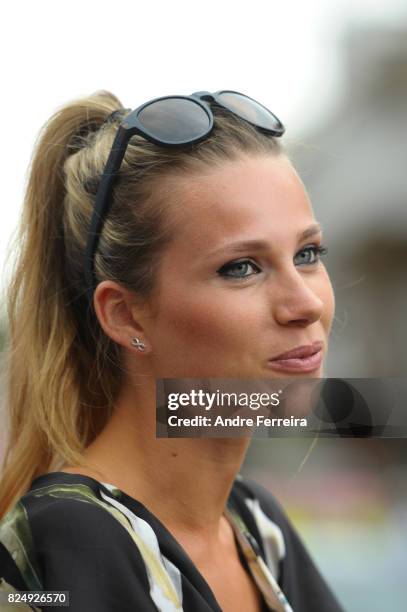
(190, 250)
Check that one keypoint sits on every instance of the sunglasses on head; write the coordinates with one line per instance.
(169, 121)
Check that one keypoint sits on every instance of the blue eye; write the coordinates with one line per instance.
(310, 255)
(238, 266)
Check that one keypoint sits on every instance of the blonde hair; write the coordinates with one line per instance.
(63, 373)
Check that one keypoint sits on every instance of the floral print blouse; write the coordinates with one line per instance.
(72, 533)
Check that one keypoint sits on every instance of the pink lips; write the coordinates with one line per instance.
(301, 359)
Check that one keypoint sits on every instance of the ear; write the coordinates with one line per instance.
(121, 315)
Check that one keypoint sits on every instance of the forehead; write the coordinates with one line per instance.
(252, 197)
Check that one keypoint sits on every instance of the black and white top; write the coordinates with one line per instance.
(73, 533)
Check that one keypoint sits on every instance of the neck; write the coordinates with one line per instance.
(185, 482)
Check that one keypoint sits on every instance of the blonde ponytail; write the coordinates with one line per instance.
(44, 392)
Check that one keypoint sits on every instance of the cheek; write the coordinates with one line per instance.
(204, 324)
(201, 323)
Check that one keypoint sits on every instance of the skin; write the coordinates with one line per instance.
(202, 324)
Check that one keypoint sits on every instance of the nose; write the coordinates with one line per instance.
(297, 303)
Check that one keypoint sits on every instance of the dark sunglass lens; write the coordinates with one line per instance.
(250, 110)
(174, 120)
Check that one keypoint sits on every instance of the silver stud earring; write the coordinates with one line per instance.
(139, 344)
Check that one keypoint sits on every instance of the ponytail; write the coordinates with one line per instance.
(45, 388)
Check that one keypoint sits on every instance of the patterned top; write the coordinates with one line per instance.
(70, 532)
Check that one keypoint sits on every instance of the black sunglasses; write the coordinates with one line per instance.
(169, 121)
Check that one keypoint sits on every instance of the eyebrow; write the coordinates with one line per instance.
(243, 245)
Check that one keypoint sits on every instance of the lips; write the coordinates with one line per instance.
(306, 358)
(300, 352)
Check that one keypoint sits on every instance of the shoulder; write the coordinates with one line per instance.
(62, 516)
(71, 513)
(66, 537)
(285, 552)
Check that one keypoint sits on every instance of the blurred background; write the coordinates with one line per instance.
(336, 74)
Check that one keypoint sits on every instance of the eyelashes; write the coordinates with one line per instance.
(308, 256)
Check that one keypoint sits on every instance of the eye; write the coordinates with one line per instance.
(239, 268)
(310, 255)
